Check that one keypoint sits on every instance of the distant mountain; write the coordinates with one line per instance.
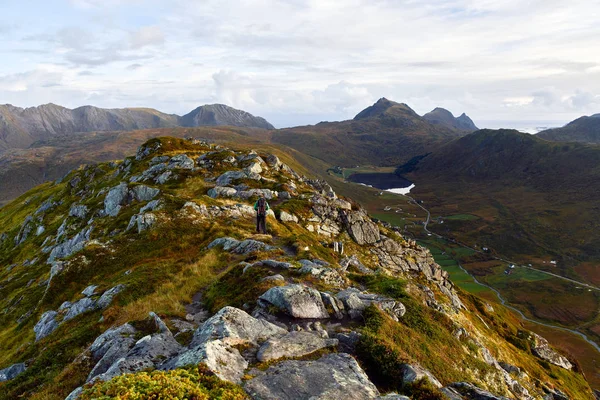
(584, 130)
(540, 196)
(385, 134)
(441, 116)
(19, 127)
(220, 114)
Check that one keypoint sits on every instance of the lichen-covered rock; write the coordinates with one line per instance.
(247, 194)
(115, 199)
(298, 301)
(360, 227)
(12, 372)
(213, 343)
(541, 348)
(222, 191)
(355, 302)
(26, 229)
(79, 307)
(293, 344)
(329, 276)
(107, 297)
(413, 373)
(472, 392)
(332, 377)
(71, 246)
(89, 291)
(110, 347)
(254, 168)
(144, 193)
(230, 176)
(181, 161)
(46, 325)
(286, 217)
(142, 221)
(240, 247)
(78, 211)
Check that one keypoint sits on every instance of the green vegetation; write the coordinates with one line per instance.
(194, 383)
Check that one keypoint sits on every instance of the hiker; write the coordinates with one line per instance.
(261, 207)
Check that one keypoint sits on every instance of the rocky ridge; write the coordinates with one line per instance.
(296, 331)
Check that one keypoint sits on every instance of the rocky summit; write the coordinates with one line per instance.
(145, 278)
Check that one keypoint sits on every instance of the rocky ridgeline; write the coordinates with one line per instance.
(305, 334)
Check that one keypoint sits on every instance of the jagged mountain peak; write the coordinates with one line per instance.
(441, 116)
(386, 108)
(221, 114)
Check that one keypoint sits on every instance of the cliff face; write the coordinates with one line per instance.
(153, 264)
(19, 127)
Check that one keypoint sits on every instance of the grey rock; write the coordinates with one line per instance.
(541, 348)
(230, 176)
(329, 276)
(71, 246)
(159, 160)
(273, 161)
(213, 344)
(144, 193)
(240, 247)
(151, 206)
(348, 341)
(247, 194)
(355, 302)
(278, 264)
(165, 177)
(511, 369)
(12, 372)
(334, 304)
(110, 347)
(181, 161)
(393, 396)
(274, 278)
(46, 205)
(78, 211)
(74, 395)
(25, 230)
(293, 344)
(353, 261)
(107, 297)
(46, 325)
(222, 191)
(234, 326)
(332, 377)
(284, 195)
(254, 168)
(472, 392)
(82, 306)
(412, 373)
(360, 227)
(286, 217)
(115, 199)
(142, 221)
(298, 301)
(40, 230)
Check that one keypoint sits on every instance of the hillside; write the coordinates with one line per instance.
(444, 117)
(146, 275)
(384, 134)
(584, 130)
(19, 128)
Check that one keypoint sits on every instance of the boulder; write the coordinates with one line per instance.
(25, 230)
(142, 221)
(107, 297)
(240, 247)
(78, 211)
(110, 347)
(222, 191)
(360, 227)
(230, 176)
(89, 291)
(213, 343)
(472, 392)
(273, 161)
(12, 372)
(329, 276)
(412, 373)
(144, 193)
(355, 302)
(115, 198)
(541, 348)
(74, 395)
(247, 194)
(71, 246)
(274, 278)
(82, 306)
(393, 396)
(332, 377)
(254, 168)
(286, 217)
(46, 325)
(298, 301)
(292, 345)
(181, 161)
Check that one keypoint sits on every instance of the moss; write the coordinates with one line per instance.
(194, 383)
(382, 284)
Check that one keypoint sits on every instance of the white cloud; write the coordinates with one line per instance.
(304, 61)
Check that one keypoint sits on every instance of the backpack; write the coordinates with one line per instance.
(262, 207)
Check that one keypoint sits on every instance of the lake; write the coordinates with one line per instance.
(385, 181)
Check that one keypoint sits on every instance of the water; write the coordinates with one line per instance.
(385, 181)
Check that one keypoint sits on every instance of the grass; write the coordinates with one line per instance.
(461, 217)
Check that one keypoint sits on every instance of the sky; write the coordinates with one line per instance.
(509, 63)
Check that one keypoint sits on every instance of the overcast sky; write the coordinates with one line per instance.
(304, 61)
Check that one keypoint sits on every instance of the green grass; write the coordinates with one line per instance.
(461, 217)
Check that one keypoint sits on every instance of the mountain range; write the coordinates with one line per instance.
(19, 127)
(583, 130)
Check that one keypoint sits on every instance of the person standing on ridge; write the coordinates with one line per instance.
(261, 207)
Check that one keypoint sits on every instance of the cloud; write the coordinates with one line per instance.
(133, 67)
(146, 36)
